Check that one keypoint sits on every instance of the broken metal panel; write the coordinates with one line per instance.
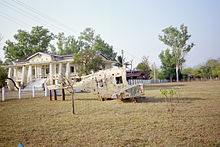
(129, 92)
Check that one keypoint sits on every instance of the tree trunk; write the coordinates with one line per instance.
(177, 75)
(72, 95)
(171, 77)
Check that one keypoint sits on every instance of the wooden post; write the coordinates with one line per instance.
(72, 95)
(45, 92)
(63, 94)
(33, 92)
(19, 93)
(55, 95)
(3, 93)
(50, 94)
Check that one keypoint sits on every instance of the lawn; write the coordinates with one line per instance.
(40, 122)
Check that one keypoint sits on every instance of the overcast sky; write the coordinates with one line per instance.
(131, 25)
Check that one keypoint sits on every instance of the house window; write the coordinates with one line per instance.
(119, 80)
(33, 72)
(47, 71)
(71, 69)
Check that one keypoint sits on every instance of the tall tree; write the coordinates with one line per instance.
(177, 40)
(66, 45)
(144, 66)
(103, 47)
(87, 61)
(38, 40)
(88, 39)
(168, 63)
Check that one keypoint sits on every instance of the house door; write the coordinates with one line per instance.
(43, 72)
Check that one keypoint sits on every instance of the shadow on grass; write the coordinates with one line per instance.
(86, 99)
(152, 87)
(161, 100)
(80, 99)
(17, 99)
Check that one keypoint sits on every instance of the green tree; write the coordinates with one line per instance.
(177, 40)
(66, 45)
(197, 73)
(89, 45)
(119, 62)
(103, 47)
(87, 61)
(186, 72)
(3, 75)
(38, 40)
(160, 75)
(88, 39)
(218, 71)
(205, 71)
(211, 65)
(168, 64)
(144, 66)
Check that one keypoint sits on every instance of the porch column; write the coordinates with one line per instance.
(10, 72)
(40, 71)
(51, 73)
(74, 69)
(60, 68)
(35, 68)
(55, 73)
(55, 69)
(29, 78)
(23, 75)
(67, 70)
(15, 73)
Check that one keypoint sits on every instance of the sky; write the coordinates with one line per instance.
(129, 25)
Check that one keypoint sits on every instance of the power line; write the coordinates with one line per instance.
(21, 12)
(44, 16)
(12, 19)
(26, 14)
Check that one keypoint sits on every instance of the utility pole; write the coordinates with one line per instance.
(122, 56)
(131, 65)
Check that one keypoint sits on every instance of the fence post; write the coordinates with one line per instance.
(3, 93)
(46, 91)
(33, 92)
(19, 93)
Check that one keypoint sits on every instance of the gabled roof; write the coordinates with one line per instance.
(44, 54)
(99, 53)
(61, 57)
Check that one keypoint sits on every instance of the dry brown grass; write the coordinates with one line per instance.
(40, 122)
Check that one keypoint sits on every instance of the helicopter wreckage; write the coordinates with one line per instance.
(106, 84)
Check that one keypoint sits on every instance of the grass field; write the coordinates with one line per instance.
(40, 122)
